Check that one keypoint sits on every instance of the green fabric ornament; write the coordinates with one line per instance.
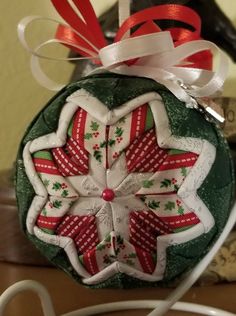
(121, 185)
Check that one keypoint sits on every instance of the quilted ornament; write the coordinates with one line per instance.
(120, 184)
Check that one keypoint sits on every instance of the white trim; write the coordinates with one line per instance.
(108, 117)
(37, 184)
(34, 211)
(67, 244)
(194, 180)
(119, 267)
(207, 154)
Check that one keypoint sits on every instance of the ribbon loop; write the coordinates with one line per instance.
(135, 47)
(36, 69)
(162, 56)
(161, 61)
(90, 29)
(161, 12)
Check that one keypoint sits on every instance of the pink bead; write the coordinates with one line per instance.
(108, 195)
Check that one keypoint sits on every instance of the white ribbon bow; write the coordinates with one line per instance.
(158, 59)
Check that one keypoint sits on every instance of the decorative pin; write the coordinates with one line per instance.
(211, 108)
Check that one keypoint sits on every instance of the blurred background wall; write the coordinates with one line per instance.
(21, 96)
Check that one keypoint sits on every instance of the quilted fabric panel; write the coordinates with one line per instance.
(136, 165)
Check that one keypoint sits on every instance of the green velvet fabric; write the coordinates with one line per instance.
(217, 191)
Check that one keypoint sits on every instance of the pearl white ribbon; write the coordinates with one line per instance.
(158, 59)
(124, 13)
(36, 69)
(162, 62)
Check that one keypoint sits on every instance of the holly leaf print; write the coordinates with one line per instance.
(56, 186)
(44, 212)
(169, 206)
(98, 155)
(148, 184)
(71, 203)
(180, 210)
(108, 238)
(65, 193)
(119, 132)
(88, 136)
(165, 183)
(100, 247)
(111, 142)
(103, 144)
(94, 126)
(117, 251)
(184, 172)
(57, 204)
(153, 204)
(120, 240)
(176, 187)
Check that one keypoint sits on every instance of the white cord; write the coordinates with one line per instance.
(34, 286)
(161, 307)
(147, 304)
(99, 309)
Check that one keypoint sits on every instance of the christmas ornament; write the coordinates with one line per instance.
(122, 180)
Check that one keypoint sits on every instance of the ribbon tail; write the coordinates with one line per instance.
(124, 14)
(89, 15)
(41, 77)
(89, 28)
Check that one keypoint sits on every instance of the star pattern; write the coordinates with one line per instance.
(103, 236)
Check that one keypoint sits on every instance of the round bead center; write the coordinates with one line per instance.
(108, 195)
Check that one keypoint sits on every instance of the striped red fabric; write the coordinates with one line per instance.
(145, 226)
(82, 229)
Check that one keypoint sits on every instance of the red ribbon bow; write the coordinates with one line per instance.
(89, 28)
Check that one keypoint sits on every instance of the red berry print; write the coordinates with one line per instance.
(178, 202)
(96, 134)
(96, 147)
(119, 139)
(63, 186)
(50, 205)
(115, 155)
(173, 181)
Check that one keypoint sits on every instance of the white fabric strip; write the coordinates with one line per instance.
(124, 12)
